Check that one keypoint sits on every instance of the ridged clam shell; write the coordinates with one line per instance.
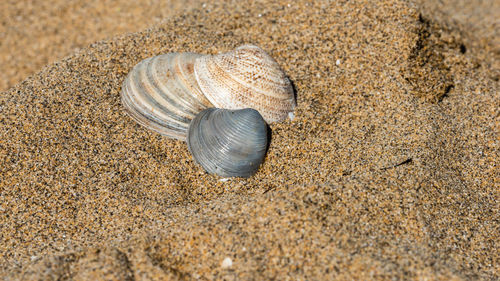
(229, 143)
(246, 77)
(161, 93)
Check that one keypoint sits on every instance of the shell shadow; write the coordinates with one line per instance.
(269, 139)
(294, 88)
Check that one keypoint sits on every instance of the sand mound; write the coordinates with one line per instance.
(387, 171)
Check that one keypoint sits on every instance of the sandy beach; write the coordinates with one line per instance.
(389, 170)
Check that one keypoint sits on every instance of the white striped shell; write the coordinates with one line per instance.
(229, 143)
(246, 77)
(161, 93)
(164, 93)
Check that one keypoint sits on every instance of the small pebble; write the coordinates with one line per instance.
(227, 263)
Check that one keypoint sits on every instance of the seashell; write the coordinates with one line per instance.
(164, 93)
(161, 93)
(229, 143)
(246, 77)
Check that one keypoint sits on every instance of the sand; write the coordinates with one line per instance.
(388, 171)
(35, 33)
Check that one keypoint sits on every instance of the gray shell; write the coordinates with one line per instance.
(161, 93)
(229, 143)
